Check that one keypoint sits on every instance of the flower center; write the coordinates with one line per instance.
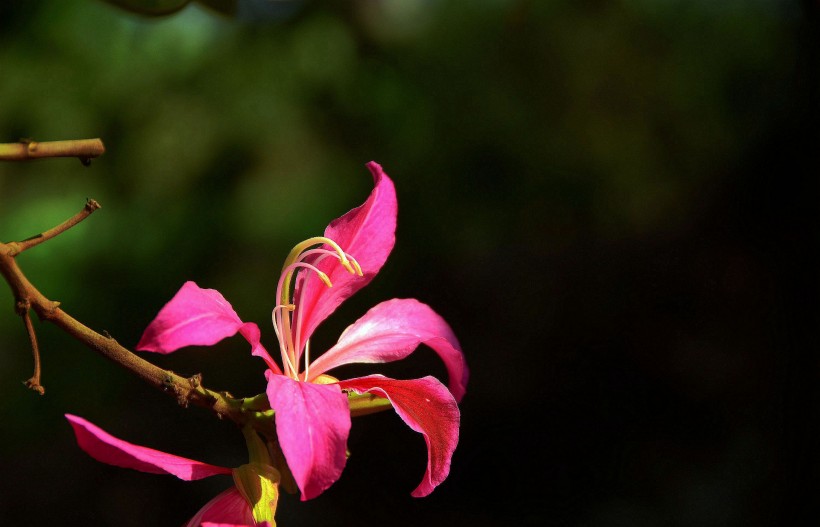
(304, 257)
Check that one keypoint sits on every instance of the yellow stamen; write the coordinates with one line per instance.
(357, 266)
(300, 248)
(323, 277)
(293, 256)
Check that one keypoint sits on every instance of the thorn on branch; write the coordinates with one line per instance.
(50, 312)
(195, 380)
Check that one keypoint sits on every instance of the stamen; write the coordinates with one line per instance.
(283, 323)
(307, 359)
(283, 287)
(298, 301)
(288, 276)
(323, 277)
(324, 252)
(300, 248)
(289, 365)
(356, 265)
(285, 314)
(276, 317)
(356, 268)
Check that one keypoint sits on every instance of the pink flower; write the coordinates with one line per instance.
(312, 409)
(226, 509)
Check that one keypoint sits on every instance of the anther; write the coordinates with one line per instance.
(356, 265)
(300, 248)
(323, 277)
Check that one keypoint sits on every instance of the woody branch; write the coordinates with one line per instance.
(28, 298)
(27, 149)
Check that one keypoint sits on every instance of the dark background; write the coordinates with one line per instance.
(612, 203)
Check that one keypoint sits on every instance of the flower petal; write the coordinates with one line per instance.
(106, 448)
(198, 317)
(226, 509)
(368, 234)
(428, 408)
(193, 317)
(391, 331)
(312, 422)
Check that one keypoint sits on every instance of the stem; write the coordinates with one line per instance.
(366, 403)
(26, 150)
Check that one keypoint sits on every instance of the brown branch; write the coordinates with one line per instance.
(18, 247)
(27, 149)
(23, 309)
(187, 391)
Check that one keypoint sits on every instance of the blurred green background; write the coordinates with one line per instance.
(610, 202)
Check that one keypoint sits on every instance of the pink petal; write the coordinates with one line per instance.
(391, 331)
(312, 422)
(197, 317)
(367, 233)
(106, 448)
(427, 407)
(226, 509)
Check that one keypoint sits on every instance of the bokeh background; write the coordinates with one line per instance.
(612, 203)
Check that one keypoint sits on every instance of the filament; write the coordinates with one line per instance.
(283, 315)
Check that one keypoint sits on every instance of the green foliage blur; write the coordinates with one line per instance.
(604, 199)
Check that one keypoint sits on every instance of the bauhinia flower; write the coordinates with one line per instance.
(252, 499)
(313, 409)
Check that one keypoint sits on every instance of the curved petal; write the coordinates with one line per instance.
(104, 447)
(199, 317)
(368, 234)
(193, 317)
(428, 408)
(391, 331)
(227, 508)
(312, 422)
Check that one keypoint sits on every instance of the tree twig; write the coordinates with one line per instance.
(27, 149)
(23, 309)
(187, 391)
(18, 247)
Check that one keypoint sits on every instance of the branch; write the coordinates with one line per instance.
(34, 382)
(186, 390)
(27, 149)
(16, 248)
